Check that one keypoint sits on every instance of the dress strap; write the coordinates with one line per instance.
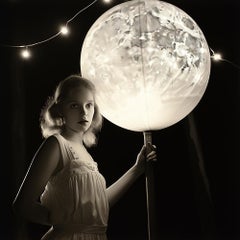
(66, 154)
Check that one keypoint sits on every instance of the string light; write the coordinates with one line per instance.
(64, 30)
(25, 53)
(215, 56)
(107, 1)
(218, 57)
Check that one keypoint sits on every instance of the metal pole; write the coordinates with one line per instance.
(150, 192)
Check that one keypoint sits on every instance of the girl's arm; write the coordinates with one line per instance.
(117, 189)
(44, 164)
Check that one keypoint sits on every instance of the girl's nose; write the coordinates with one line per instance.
(83, 110)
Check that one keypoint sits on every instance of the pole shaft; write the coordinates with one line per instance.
(150, 191)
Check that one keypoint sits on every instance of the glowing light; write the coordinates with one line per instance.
(64, 30)
(25, 53)
(217, 57)
(144, 58)
(107, 1)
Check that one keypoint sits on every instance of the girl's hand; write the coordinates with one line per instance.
(146, 154)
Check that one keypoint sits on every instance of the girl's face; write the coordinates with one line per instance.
(78, 109)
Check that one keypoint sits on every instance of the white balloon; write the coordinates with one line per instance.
(150, 63)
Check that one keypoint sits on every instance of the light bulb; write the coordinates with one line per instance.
(107, 1)
(25, 53)
(64, 30)
(217, 57)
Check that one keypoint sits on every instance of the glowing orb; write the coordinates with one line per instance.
(150, 63)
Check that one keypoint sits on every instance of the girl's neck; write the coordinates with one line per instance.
(73, 137)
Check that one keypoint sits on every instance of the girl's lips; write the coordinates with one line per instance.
(83, 121)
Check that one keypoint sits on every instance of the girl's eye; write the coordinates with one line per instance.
(89, 105)
(74, 105)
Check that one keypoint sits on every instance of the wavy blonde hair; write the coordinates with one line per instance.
(51, 122)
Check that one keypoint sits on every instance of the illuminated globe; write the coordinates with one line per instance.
(150, 63)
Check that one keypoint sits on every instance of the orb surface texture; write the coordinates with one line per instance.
(150, 63)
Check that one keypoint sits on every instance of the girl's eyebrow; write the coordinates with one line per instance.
(74, 100)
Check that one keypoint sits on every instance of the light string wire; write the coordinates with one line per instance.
(53, 36)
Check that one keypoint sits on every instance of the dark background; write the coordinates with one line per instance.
(183, 208)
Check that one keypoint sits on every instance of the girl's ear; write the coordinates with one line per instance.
(57, 114)
(59, 109)
(56, 110)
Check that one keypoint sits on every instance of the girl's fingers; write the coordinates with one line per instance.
(151, 153)
(152, 156)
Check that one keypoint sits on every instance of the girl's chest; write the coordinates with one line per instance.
(81, 162)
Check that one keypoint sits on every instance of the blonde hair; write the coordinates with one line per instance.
(51, 122)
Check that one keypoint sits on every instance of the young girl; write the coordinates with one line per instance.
(63, 187)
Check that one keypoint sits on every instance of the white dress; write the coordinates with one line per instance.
(76, 196)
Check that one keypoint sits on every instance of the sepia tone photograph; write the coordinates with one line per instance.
(120, 120)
